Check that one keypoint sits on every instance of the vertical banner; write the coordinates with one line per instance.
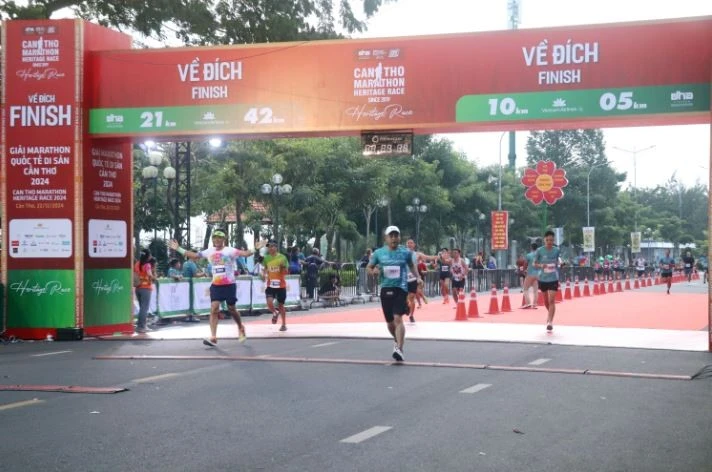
(558, 236)
(106, 209)
(41, 154)
(500, 230)
(589, 239)
(635, 242)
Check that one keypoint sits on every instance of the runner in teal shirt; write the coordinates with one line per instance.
(547, 259)
(667, 264)
(392, 263)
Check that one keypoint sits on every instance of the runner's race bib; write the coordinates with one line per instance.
(549, 268)
(274, 283)
(219, 269)
(392, 272)
(687, 266)
(445, 268)
(666, 267)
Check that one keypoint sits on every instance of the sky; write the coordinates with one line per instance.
(683, 150)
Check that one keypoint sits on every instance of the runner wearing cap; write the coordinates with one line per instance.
(223, 288)
(276, 267)
(392, 263)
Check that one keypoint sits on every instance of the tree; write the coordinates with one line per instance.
(199, 22)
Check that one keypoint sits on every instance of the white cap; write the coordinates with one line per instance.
(391, 229)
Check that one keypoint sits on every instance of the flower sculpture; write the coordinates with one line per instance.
(544, 183)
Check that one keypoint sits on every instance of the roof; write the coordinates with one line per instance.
(227, 213)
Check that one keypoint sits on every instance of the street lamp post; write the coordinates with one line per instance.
(150, 172)
(276, 189)
(480, 220)
(635, 153)
(380, 203)
(418, 209)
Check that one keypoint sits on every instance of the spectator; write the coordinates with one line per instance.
(191, 269)
(174, 270)
(331, 290)
(257, 269)
(492, 262)
(295, 266)
(146, 274)
(313, 263)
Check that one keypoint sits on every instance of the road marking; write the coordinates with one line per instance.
(325, 344)
(50, 353)
(476, 388)
(368, 434)
(541, 361)
(10, 406)
(155, 377)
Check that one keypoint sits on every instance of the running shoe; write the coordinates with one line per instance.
(283, 328)
(397, 354)
(274, 319)
(525, 307)
(210, 343)
(242, 336)
(549, 328)
(412, 319)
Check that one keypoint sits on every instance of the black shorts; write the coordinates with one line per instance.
(458, 283)
(224, 293)
(688, 270)
(445, 275)
(665, 275)
(640, 273)
(279, 293)
(549, 286)
(413, 287)
(393, 302)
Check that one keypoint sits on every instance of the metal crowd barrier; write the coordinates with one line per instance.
(180, 298)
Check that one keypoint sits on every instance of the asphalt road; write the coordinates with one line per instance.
(341, 405)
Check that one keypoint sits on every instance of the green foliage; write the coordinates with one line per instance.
(199, 22)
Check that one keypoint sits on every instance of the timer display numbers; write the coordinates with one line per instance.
(387, 144)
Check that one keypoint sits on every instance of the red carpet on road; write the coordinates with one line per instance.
(634, 309)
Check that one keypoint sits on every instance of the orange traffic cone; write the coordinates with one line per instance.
(559, 296)
(506, 306)
(602, 288)
(473, 311)
(567, 292)
(577, 290)
(540, 298)
(627, 283)
(596, 290)
(586, 290)
(494, 305)
(460, 313)
(611, 286)
(619, 286)
(650, 280)
(636, 284)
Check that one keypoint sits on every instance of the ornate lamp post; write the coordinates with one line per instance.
(150, 172)
(419, 210)
(276, 189)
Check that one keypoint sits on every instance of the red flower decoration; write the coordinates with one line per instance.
(544, 183)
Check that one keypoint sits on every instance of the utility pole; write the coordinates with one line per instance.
(513, 10)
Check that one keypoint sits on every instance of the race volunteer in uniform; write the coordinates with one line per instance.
(547, 260)
(223, 260)
(667, 264)
(392, 262)
(276, 266)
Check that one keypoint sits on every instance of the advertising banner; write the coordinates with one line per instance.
(173, 297)
(107, 296)
(589, 239)
(580, 75)
(635, 242)
(500, 230)
(40, 298)
(558, 236)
